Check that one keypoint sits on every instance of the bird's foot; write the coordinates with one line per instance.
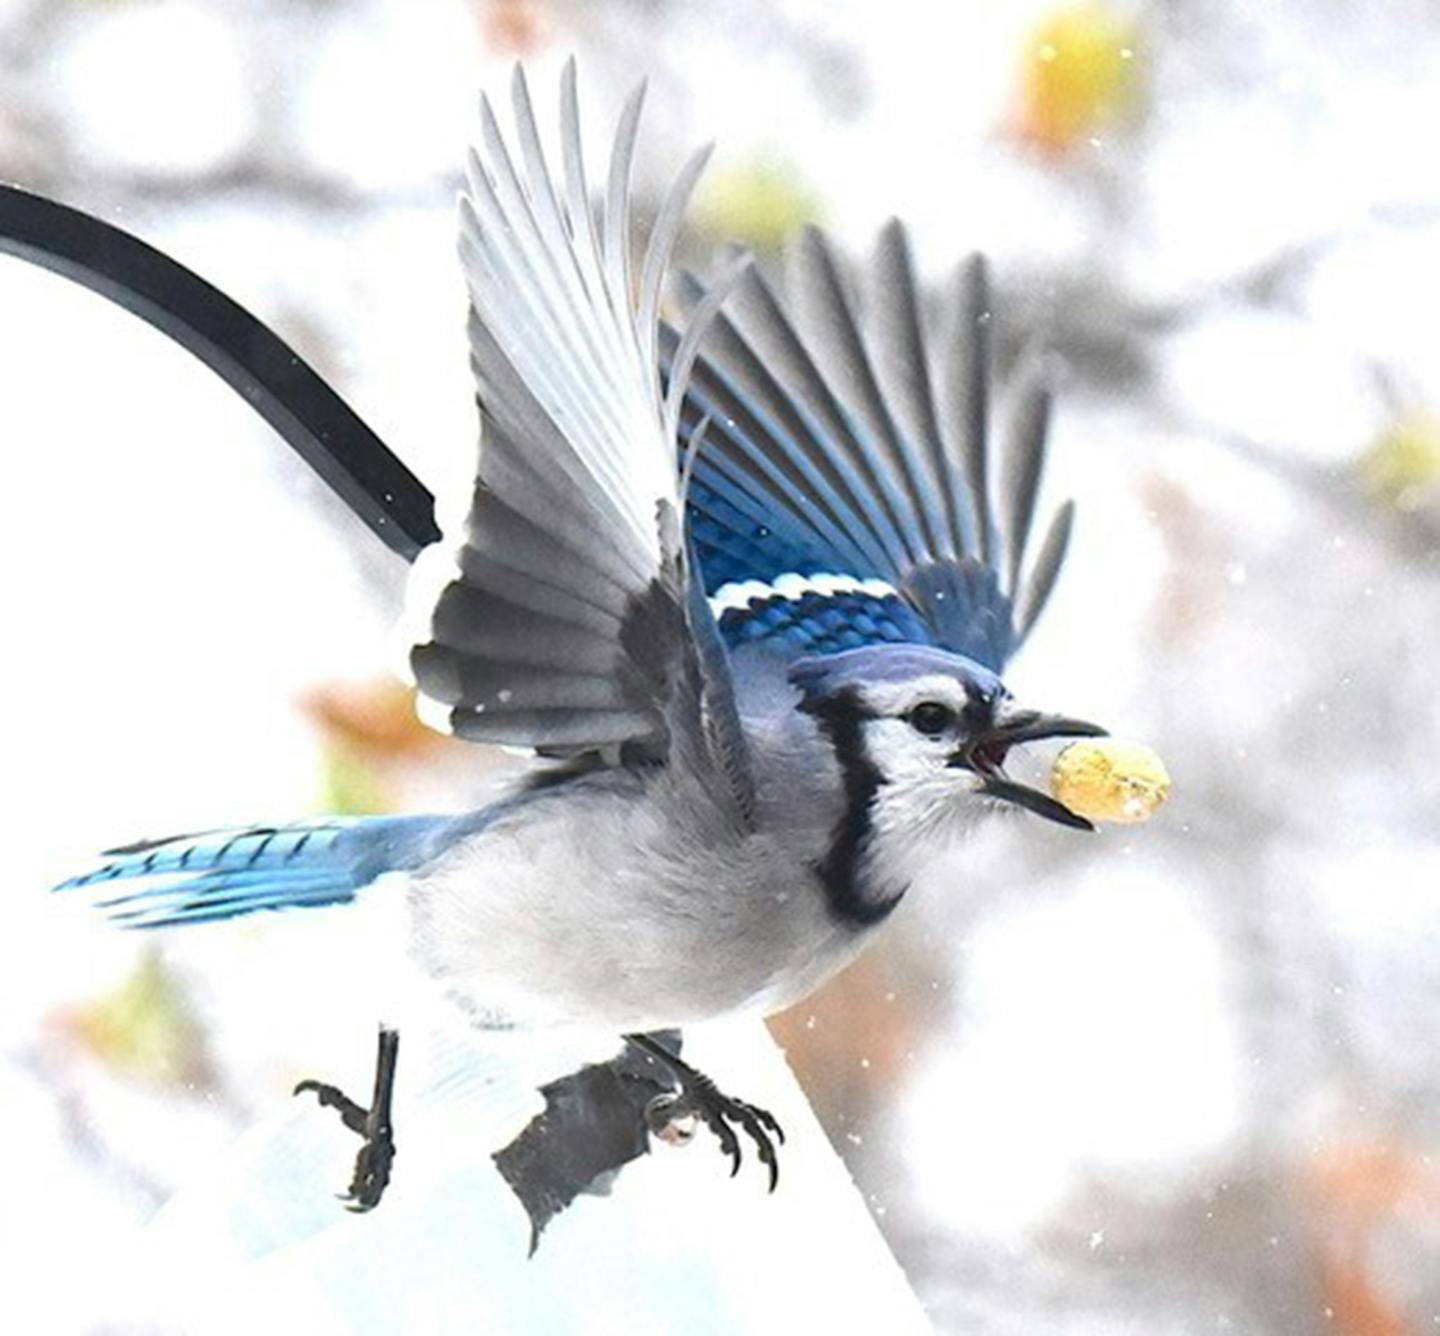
(377, 1154)
(673, 1117)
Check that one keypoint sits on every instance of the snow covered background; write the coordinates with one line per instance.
(1181, 1078)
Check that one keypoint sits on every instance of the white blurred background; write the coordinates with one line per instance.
(1179, 1078)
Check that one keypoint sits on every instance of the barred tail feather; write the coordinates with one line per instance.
(220, 874)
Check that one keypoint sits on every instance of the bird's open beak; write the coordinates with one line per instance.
(985, 755)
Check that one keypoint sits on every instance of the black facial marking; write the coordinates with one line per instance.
(841, 717)
(979, 711)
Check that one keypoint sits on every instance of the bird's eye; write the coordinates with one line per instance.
(931, 717)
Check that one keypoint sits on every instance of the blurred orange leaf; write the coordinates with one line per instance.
(1362, 1183)
(376, 719)
(1355, 1306)
(516, 27)
(1354, 1189)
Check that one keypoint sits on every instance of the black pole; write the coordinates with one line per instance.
(249, 357)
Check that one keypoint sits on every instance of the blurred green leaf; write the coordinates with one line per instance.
(760, 203)
(1402, 468)
(145, 1028)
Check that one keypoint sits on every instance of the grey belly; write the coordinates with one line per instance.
(623, 926)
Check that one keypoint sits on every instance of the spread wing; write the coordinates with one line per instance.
(841, 494)
(562, 620)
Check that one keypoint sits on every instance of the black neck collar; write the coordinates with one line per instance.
(841, 719)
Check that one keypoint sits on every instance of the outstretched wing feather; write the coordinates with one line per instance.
(1024, 461)
(562, 620)
(795, 421)
(965, 394)
(843, 447)
(903, 366)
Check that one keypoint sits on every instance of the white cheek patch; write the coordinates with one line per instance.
(922, 794)
(916, 817)
(900, 753)
(738, 595)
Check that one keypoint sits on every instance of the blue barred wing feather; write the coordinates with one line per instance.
(842, 491)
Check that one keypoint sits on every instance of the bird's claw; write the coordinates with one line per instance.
(699, 1098)
(375, 1156)
(377, 1153)
(372, 1172)
(353, 1115)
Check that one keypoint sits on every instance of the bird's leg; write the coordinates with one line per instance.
(375, 1156)
(698, 1098)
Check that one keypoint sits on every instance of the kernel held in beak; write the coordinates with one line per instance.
(1109, 780)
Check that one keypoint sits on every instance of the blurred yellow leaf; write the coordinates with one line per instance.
(761, 203)
(144, 1028)
(1080, 75)
(1402, 468)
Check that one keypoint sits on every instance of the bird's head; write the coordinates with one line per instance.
(921, 737)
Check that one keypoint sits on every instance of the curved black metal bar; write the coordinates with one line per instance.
(254, 361)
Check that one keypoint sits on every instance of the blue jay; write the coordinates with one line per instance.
(739, 581)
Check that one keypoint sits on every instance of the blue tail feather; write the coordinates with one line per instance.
(224, 873)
